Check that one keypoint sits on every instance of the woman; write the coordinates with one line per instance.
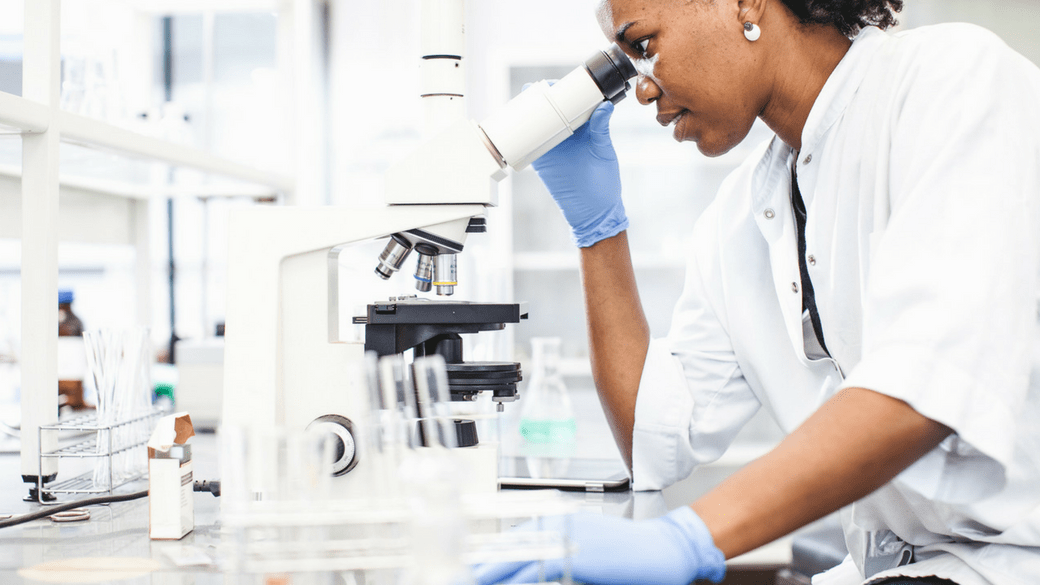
(869, 276)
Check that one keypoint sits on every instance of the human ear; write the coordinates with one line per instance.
(751, 11)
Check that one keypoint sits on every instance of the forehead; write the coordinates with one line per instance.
(614, 14)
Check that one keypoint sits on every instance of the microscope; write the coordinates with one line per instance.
(286, 362)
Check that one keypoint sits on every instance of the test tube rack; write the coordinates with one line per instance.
(102, 441)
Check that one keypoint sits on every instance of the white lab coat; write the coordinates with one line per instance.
(920, 170)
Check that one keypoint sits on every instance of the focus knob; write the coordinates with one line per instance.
(344, 448)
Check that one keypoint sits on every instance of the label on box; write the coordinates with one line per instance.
(171, 509)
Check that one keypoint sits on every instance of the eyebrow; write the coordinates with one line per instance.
(620, 35)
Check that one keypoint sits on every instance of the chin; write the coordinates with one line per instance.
(712, 149)
(713, 146)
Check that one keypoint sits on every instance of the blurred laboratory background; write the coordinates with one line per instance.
(322, 97)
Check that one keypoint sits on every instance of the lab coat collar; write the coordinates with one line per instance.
(765, 179)
(840, 87)
(776, 162)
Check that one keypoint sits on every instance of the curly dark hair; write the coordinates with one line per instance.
(848, 15)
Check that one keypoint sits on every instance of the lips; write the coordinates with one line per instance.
(666, 118)
(679, 133)
(675, 118)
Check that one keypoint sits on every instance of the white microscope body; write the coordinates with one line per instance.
(285, 363)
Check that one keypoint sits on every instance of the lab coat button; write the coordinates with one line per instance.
(769, 214)
(812, 260)
(794, 287)
(807, 160)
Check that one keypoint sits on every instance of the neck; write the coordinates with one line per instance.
(806, 59)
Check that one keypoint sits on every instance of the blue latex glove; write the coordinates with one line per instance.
(675, 549)
(582, 175)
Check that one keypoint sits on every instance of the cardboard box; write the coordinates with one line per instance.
(171, 504)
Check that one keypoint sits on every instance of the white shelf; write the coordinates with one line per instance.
(85, 131)
(130, 190)
(22, 114)
(31, 117)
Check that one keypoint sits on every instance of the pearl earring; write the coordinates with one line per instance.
(751, 31)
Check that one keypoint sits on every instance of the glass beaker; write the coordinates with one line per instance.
(546, 414)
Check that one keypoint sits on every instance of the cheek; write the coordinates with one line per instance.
(744, 80)
(730, 92)
(682, 81)
(697, 76)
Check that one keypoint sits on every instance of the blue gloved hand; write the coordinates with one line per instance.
(675, 549)
(582, 175)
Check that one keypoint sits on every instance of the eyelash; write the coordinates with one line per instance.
(640, 47)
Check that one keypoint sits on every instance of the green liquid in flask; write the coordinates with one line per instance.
(548, 431)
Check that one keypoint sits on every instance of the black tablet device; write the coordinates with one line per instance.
(589, 475)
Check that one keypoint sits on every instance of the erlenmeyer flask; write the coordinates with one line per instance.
(546, 414)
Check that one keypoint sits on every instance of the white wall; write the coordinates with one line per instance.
(1015, 21)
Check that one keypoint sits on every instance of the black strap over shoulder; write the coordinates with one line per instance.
(808, 295)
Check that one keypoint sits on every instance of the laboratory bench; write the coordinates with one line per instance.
(113, 545)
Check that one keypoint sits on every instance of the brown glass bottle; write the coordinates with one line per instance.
(71, 356)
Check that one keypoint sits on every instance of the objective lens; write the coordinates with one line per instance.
(445, 279)
(393, 256)
(424, 267)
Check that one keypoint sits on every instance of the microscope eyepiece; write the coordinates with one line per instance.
(545, 114)
(611, 69)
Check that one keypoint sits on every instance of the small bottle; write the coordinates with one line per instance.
(546, 414)
(72, 358)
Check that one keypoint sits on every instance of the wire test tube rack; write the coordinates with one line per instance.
(103, 442)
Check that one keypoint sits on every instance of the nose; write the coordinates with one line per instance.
(647, 92)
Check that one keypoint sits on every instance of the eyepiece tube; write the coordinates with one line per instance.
(611, 69)
(393, 256)
(545, 115)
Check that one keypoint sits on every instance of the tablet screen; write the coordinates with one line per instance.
(586, 474)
